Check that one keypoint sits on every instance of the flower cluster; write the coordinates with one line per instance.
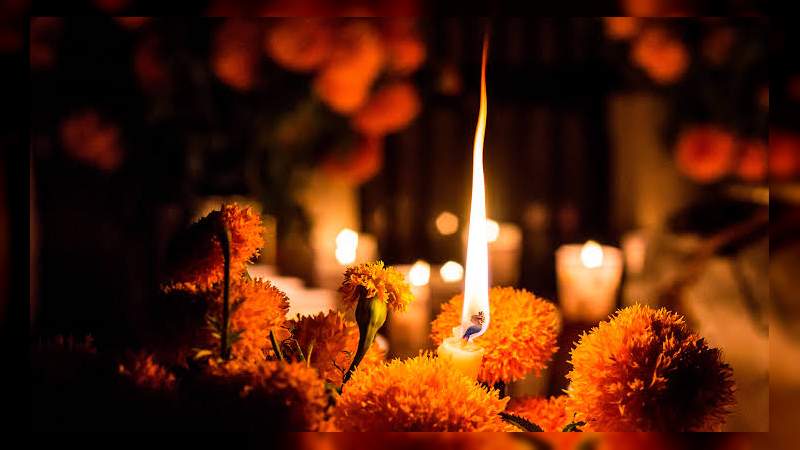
(418, 394)
(290, 392)
(521, 337)
(645, 370)
(347, 57)
(329, 342)
(257, 308)
(379, 283)
(196, 261)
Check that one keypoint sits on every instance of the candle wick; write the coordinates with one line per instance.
(476, 327)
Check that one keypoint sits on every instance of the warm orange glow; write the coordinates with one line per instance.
(476, 282)
(446, 223)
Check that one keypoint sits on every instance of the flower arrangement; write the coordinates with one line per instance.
(684, 59)
(244, 365)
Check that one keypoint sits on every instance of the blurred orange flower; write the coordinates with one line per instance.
(717, 45)
(549, 413)
(148, 64)
(87, 138)
(645, 370)
(195, 263)
(359, 164)
(404, 46)
(355, 61)
(660, 54)
(44, 31)
(297, 44)
(752, 161)
(705, 153)
(235, 54)
(621, 28)
(329, 342)
(784, 155)
(521, 336)
(390, 109)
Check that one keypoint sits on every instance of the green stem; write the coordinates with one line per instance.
(300, 357)
(225, 243)
(275, 347)
(370, 316)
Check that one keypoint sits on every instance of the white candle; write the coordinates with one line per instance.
(462, 355)
(589, 276)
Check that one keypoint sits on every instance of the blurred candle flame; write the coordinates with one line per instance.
(592, 255)
(346, 246)
(420, 273)
(476, 280)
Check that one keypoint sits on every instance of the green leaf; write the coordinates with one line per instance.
(520, 422)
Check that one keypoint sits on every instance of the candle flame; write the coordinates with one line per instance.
(476, 280)
(591, 255)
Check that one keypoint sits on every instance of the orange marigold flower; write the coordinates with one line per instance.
(91, 140)
(753, 161)
(301, 45)
(784, 155)
(235, 53)
(549, 413)
(620, 28)
(196, 263)
(359, 164)
(291, 393)
(329, 342)
(645, 370)
(379, 283)
(355, 61)
(417, 394)
(390, 109)
(145, 373)
(257, 307)
(660, 54)
(521, 336)
(705, 153)
(404, 47)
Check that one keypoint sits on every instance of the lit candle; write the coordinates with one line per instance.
(588, 278)
(459, 350)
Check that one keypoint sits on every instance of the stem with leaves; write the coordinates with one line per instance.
(370, 316)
